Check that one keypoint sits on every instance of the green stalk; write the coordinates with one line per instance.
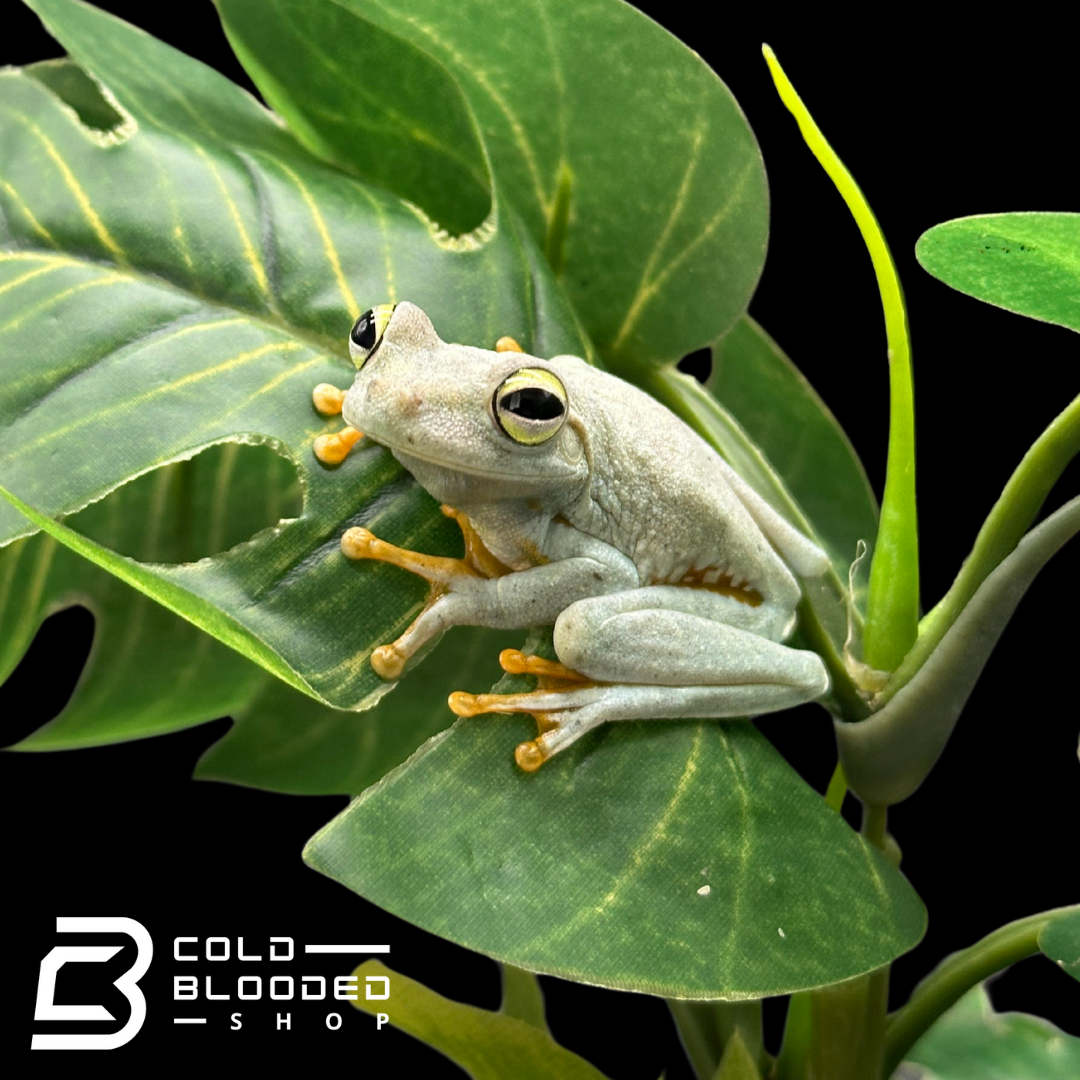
(1020, 500)
(522, 997)
(706, 1027)
(795, 1051)
(847, 1027)
(892, 613)
(944, 986)
(838, 1032)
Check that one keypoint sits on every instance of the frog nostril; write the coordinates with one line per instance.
(410, 403)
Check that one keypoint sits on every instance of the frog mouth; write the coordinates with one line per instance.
(402, 452)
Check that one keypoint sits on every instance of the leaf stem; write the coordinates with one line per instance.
(875, 825)
(892, 611)
(957, 974)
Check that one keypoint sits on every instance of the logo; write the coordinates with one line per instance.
(222, 984)
(127, 984)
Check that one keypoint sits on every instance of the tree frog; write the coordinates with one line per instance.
(587, 505)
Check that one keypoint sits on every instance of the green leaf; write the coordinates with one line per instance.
(1028, 263)
(198, 611)
(781, 412)
(973, 1042)
(285, 741)
(487, 1045)
(114, 248)
(886, 757)
(565, 121)
(1060, 941)
(892, 611)
(149, 671)
(366, 100)
(957, 974)
(711, 870)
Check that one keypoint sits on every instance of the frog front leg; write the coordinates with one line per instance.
(332, 449)
(480, 591)
(660, 651)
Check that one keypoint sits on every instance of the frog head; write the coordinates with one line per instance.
(470, 424)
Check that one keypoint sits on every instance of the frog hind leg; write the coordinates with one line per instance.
(643, 662)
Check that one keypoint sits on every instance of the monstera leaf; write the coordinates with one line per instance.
(177, 270)
(654, 268)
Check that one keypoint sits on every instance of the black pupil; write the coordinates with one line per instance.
(363, 331)
(532, 403)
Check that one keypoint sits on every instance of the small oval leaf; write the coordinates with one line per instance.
(1028, 263)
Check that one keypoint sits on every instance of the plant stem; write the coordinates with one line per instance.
(847, 1020)
(522, 996)
(875, 825)
(944, 986)
(707, 1026)
(847, 1028)
(791, 1064)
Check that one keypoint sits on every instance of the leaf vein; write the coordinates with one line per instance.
(73, 185)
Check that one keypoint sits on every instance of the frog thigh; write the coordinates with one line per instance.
(638, 636)
(585, 618)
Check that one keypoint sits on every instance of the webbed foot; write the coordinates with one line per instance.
(559, 692)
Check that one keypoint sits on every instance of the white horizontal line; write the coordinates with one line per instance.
(189, 1019)
(346, 948)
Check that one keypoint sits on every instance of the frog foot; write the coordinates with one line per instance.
(560, 691)
(442, 574)
(327, 399)
(507, 344)
(550, 674)
(334, 449)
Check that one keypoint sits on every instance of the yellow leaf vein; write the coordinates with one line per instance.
(73, 185)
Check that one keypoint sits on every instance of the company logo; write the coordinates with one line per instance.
(127, 984)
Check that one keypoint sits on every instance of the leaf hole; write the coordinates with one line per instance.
(99, 114)
(190, 510)
(45, 678)
(698, 363)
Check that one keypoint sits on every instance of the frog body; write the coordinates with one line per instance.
(666, 577)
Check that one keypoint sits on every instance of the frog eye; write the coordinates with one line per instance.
(367, 332)
(530, 406)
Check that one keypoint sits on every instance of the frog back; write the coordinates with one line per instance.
(661, 495)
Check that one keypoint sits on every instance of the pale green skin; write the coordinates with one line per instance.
(598, 523)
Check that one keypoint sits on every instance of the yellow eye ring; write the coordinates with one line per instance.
(530, 406)
(367, 333)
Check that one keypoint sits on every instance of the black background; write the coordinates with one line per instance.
(936, 119)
